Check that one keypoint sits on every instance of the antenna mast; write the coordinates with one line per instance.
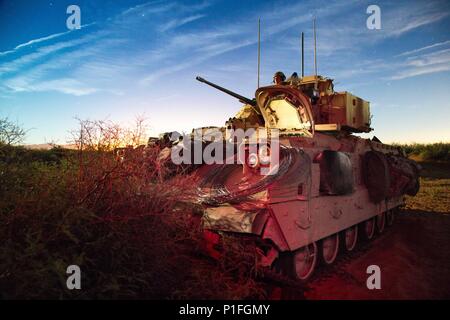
(259, 47)
(303, 54)
(315, 51)
(315, 48)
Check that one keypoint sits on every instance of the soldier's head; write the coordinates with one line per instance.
(278, 77)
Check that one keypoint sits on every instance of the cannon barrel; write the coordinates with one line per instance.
(231, 93)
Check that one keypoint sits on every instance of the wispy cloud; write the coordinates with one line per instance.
(398, 69)
(23, 61)
(146, 8)
(420, 20)
(119, 50)
(438, 61)
(421, 71)
(432, 46)
(30, 80)
(42, 39)
(208, 51)
(200, 46)
(87, 58)
(437, 57)
(62, 85)
(175, 23)
(35, 41)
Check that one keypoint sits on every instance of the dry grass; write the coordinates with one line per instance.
(437, 152)
(123, 223)
(434, 194)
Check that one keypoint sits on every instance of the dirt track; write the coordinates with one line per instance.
(414, 257)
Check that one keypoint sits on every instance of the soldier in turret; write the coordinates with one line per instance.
(279, 77)
(293, 79)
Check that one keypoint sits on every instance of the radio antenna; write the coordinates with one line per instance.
(303, 54)
(259, 48)
(315, 48)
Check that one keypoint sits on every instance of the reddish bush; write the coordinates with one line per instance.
(124, 223)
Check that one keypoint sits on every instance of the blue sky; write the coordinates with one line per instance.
(141, 57)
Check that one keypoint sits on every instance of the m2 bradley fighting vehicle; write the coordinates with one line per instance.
(328, 186)
(307, 186)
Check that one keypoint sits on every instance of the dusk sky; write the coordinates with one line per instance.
(135, 57)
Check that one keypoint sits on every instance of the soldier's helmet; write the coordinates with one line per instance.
(280, 75)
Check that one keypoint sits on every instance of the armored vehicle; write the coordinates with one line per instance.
(309, 185)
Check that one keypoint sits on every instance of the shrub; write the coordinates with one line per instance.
(428, 152)
(124, 224)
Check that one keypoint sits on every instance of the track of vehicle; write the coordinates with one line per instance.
(413, 255)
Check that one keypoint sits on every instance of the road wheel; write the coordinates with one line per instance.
(390, 217)
(381, 222)
(304, 261)
(369, 228)
(330, 248)
(351, 237)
